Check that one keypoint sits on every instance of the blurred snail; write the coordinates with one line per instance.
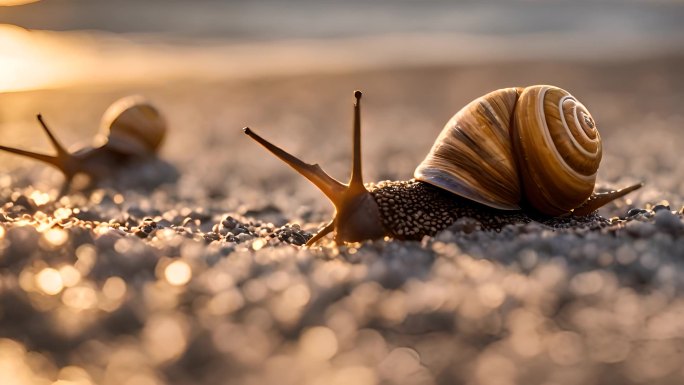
(507, 157)
(131, 129)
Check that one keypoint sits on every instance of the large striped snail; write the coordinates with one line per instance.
(509, 155)
(131, 130)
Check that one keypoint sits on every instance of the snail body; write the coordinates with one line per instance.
(510, 156)
(132, 129)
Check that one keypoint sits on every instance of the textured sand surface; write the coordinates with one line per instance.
(201, 282)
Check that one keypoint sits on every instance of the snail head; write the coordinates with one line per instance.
(357, 215)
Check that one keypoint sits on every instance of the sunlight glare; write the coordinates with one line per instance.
(22, 54)
(9, 3)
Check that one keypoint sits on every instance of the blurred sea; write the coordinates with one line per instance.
(60, 43)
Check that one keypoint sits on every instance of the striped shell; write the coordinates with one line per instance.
(132, 125)
(538, 142)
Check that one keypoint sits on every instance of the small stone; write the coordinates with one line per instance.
(640, 229)
(465, 225)
(239, 230)
(229, 222)
(243, 237)
(665, 220)
(635, 211)
(657, 208)
(297, 239)
(23, 200)
(212, 236)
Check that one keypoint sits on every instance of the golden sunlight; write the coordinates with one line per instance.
(23, 55)
(9, 3)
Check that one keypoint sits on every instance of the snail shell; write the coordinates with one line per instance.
(131, 130)
(534, 146)
(133, 126)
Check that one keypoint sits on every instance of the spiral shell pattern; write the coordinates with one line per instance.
(132, 125)
(538, 142)
(558, 149)
(473, 155)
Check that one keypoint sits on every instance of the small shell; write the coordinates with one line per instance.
(558, 147)
(131, 125)
(473, 156)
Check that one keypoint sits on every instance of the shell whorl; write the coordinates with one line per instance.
(558, 149)
(132, 125)
(473, 155)
(538, 142)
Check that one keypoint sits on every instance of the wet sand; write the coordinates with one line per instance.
(198, 281)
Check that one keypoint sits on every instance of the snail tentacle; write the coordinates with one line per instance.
(598, 200)
(330, 186)
(61, 151)
(33, 155)
(356, 179)
(58, 161)
(321, 233)
(357, 215)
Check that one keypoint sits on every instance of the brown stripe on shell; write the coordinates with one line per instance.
(558, 167)
(473, 157)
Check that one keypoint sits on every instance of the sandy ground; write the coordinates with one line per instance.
(197, 281)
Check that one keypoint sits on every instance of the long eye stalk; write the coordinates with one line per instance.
(356, 180)
(330, 186)
(57, 161)
(357, 215)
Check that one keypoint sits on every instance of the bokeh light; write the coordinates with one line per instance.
(165, 337)
(178, 273)
(318, 343)
(56, 237)
(49, 281)
(114, 288)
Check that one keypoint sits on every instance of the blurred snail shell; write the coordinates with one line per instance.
(506, 157)
(132, 125)
(131, 129)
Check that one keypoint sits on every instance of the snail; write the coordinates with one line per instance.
(131, 130)
(509, 156)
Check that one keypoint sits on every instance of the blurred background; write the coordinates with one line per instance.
(288, 68)
(54, 43)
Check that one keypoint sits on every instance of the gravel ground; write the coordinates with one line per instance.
(203, 281)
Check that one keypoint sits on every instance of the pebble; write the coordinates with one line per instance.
(659, 207)
(667, 221)
(635, 211)
(640, 229)
(243, 237)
